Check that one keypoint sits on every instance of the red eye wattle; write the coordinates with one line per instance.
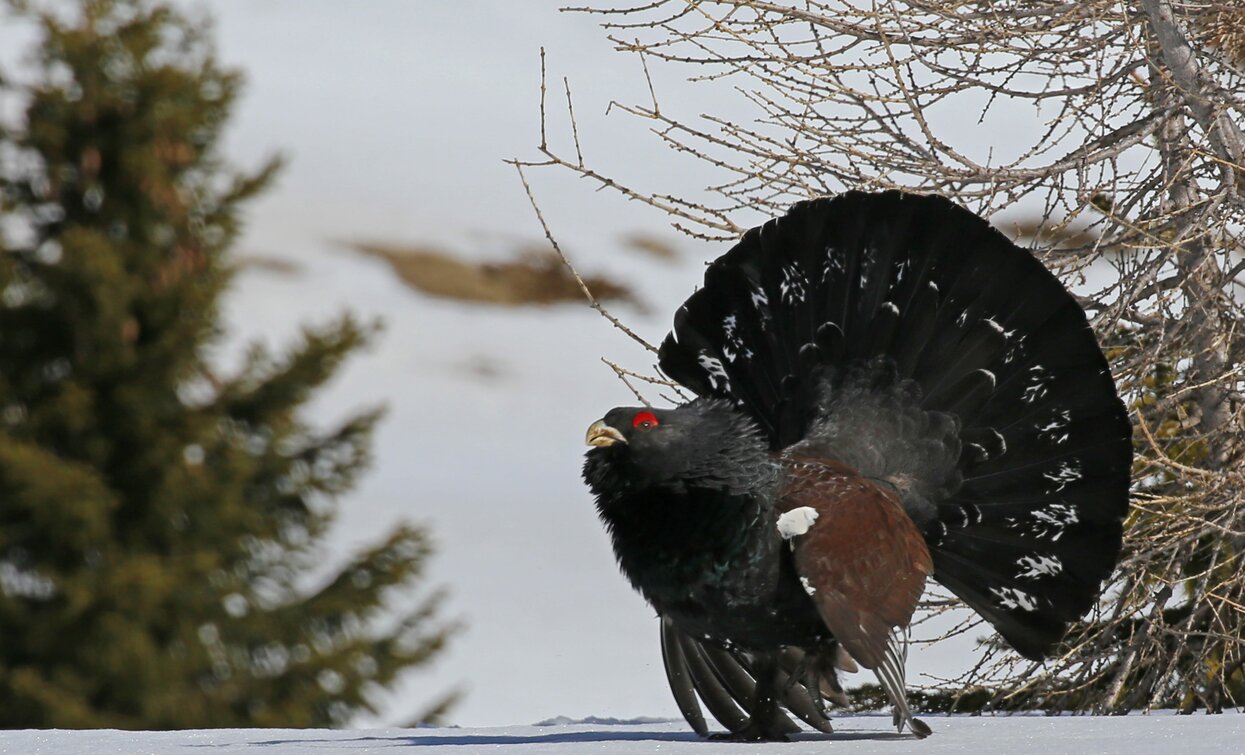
(644, 421)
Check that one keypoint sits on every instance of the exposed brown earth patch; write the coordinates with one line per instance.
(651, 246)
(532, 277)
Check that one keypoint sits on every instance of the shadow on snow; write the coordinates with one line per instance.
(567, 737)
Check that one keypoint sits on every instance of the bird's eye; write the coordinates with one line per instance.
(644, 421)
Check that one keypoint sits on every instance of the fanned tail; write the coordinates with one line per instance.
(992, 406)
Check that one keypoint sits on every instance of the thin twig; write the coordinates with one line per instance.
(624, 376)
(570, 109)
(544, 141)
(557, 248)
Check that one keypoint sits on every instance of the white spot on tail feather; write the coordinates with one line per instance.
(792, 285)
(1057, 513)
(797, 521)
(1011, 598)
(1014, 348)
(1037, 387)
(733, 346)
(712, 366)
(834, 263)
(1047, 523)
(1035, 566)
(1068, 471)
(865, 269)
(1053, 520)
(1002, 441)
(1051, 430)
(760, 302)
(900, 271)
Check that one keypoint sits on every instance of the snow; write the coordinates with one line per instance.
(1159, 733)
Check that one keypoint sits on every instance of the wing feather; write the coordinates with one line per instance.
(864, 563)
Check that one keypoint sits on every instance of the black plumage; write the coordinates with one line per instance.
(888, 389)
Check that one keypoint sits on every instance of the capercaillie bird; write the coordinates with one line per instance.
(887, 390)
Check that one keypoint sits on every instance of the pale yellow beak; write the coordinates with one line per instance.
(601, 434)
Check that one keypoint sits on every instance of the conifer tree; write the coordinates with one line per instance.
(160, 524)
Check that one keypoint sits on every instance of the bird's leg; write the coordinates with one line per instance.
(799, 673)
(828, 666)
(806, 673)
(812, 682)
(764, 719)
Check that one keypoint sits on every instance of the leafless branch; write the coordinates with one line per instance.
(557, 248)
(1112, 128)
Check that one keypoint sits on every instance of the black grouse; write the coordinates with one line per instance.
(887, 390)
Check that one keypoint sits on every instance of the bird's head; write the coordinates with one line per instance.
(639, 440)
(706, 443)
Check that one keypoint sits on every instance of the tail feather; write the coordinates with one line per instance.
(979, 349)
(919, 322)
(1027, 567)
(1028, 635)
(678, 675)
(1022, 496)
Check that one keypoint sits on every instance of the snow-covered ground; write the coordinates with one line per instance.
(1157, 734)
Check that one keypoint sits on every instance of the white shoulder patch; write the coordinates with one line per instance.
(797, 521)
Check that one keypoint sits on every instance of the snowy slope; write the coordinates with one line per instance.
(1156, 734)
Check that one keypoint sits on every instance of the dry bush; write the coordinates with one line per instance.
(1129, 184)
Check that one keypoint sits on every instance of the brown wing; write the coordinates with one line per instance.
(863, 560)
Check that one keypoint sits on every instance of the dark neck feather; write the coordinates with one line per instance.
(667, 541)
(670, 531)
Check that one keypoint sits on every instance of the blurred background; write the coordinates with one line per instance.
(395, 119)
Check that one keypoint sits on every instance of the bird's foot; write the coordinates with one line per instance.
(753, 731)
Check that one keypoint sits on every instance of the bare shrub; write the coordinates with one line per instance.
(1108, 136)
